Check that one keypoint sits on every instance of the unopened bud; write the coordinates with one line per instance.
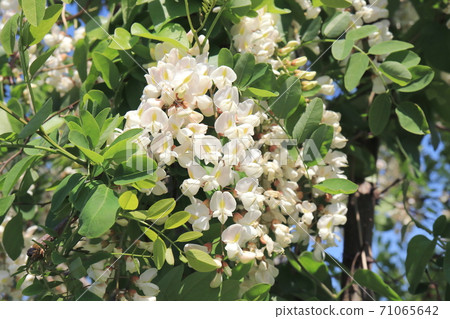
(217, 280)
(308, 85)
(301, 61)
(226, 269)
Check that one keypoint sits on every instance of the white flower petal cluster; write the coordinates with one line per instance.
(259, 36)
(310, 11)
(58, 75)
(238, 160)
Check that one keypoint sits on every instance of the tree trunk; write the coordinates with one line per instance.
(358, 233)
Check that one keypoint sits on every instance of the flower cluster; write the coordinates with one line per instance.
(258, 36)
(250, 181)
(58, 75)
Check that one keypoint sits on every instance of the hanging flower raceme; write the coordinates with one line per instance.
(236, 177)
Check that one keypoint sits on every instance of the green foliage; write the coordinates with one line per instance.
(420, 251)
(13, 238)
(200, 261)
(8, 34)
(355, 70)
(99, 212)
(374, 282)
(379, 113)
(337, 186)
(412, 118)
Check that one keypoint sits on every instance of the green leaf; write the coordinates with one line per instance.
(258, 292)
(93, 156)
(356, 68)
(159, 253)
(412, 118)
(439, 226)
(261, 93)
(77, 138)
(241, 270)
(419, 252)
(336, 25)
(361, 32)
(8, 34)
(189, 236)
(64, 188)
(341, 49)
(33, 10)
(90, 127)
(170, 283)
(13, 238)
(35, 288)
(40, 61)
(196, 287)
(396, 72)
(99, 213)
(310, 29)
(371, 280)
(421, 76)
(244, 69)
(80, 58)
(309, 121)
(316, 268)
(176, 220)
(161, 208)
(200, 261)
(5, 204)
(169, 256)
(139, 30)
(379, 113)
(126, 175)
(337, 186)
(51, 15)
(176, 32)
(16, 171)
(77, 269)
(128, 201)
(447, 263)
(225, 58)
(108, 69)
(388, 47)
(291, 91)
(336, 3)
(318, 145)
(407, 58)
(120, 40)
(150, 234)
(37, 120)
(270, 7)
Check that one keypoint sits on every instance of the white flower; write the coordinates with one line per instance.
(207, 148)
(98, 273)
(190, 187)
(231, 237)
(227, 99)
(223, 76)
(154, 120)
(222, 205)
(200, 216)
(144, 282)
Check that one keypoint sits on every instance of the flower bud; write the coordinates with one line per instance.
(226, 269)
(301, 61)
(217, 280)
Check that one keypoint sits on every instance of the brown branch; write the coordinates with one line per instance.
(442, 128)
(69, 107)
